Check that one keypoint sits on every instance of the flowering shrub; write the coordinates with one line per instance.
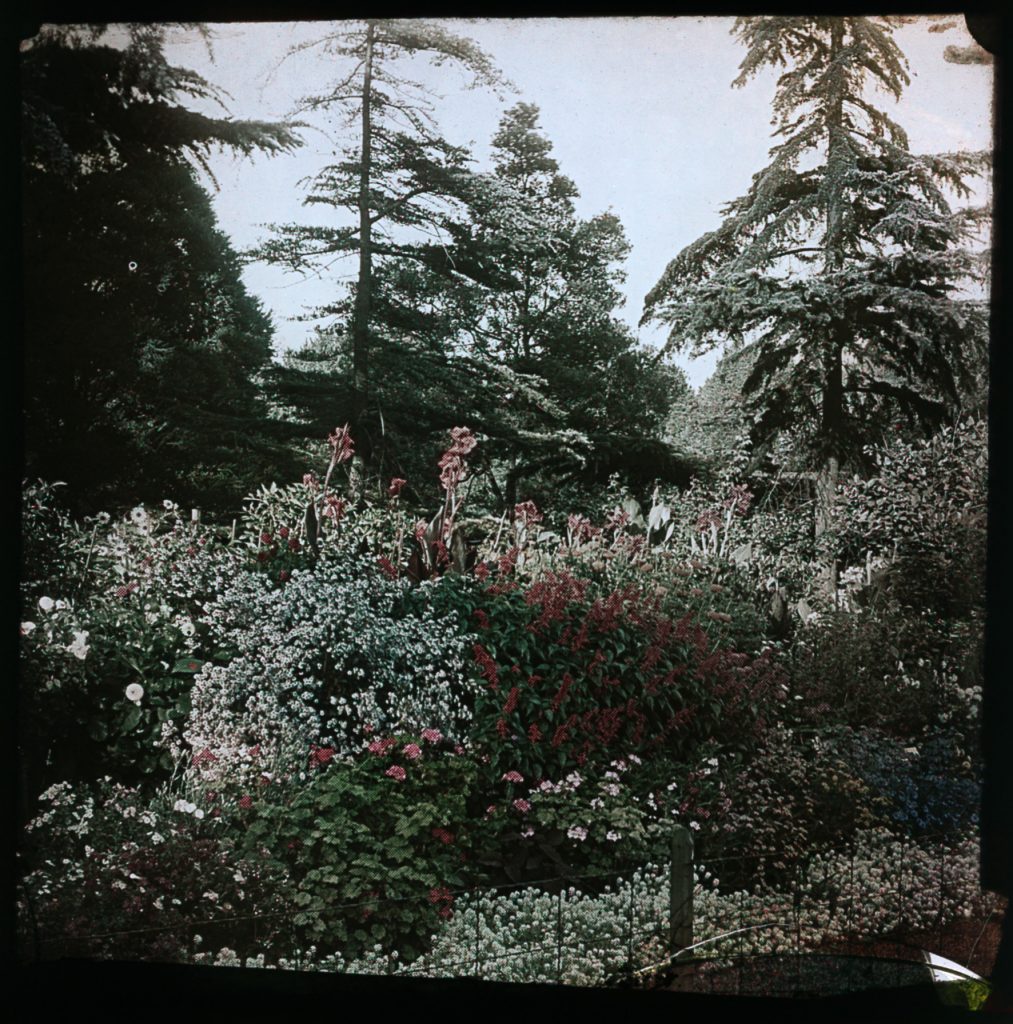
(109, 873)
(333, 657)
(368, 847)
(572, 679)
(928, 788)
(538, 829)
(109, 650)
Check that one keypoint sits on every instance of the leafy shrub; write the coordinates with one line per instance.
(111, 873)
(902, 674)
(368, 847)
(330, 657)
(571, 679)
(796, 795)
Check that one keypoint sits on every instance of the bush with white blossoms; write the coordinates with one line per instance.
(528, 935)
(332, 657)
(109, 636)
(109, 872)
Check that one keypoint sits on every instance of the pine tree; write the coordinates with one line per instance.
(555, 318)
(401, 183)
(843, 264)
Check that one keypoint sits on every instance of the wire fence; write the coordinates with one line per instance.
(758, 923)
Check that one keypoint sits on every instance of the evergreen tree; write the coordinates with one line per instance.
(141, 341)
(400, 184)
(843, 264)
(555, 320)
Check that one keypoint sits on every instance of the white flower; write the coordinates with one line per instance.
(60, 605)
(47, 604)
(79, 648)
(168, 505)
(26, 628)
(198, 814)
(157, 838)
(135, 692)
(695, 825)
(577, 832)
(180, 805)
(612, 836)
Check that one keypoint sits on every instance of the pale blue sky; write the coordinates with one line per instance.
(640, 111)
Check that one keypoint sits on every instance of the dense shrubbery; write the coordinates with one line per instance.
(332, 656)
(324, 708)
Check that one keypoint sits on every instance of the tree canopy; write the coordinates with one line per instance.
(845, 265)
(142, 341)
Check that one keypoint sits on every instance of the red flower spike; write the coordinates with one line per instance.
(342, 444)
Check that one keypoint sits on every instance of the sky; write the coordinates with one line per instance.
(641, 113)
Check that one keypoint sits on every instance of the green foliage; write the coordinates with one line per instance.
(367, 847)
(842, 266)
(141, 373)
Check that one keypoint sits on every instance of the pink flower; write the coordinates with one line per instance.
(342, 444)
(321, 755)
(432, 735)
(246, 801)
(335, 507)
(395, 771)
(395, 487)
(513, 776)
(443, 835)
(527, 513)
(522, 805)
(204, 757)
(462, 440)
(412, 751)
(265, 538)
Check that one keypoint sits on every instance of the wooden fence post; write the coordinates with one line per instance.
(681, 890)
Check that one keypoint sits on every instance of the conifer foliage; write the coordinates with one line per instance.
(142, 341)
(395, 191)
(843, 264)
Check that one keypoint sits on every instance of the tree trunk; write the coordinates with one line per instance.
(832, 412)
(361, 314)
